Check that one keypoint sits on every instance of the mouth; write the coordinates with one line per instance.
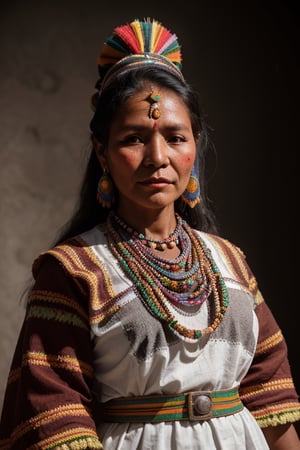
(157, 183)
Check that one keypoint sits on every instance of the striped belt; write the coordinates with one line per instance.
(197, 405)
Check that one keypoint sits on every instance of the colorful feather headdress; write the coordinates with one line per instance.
(138, 43)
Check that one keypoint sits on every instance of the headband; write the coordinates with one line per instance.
(139, 43)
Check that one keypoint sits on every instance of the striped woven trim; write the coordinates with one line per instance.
(159, 408)
(278, 414)
(74, 439)
(253, 391)
(235, 262)
(270, 342)
(130, 62)
(80, 261)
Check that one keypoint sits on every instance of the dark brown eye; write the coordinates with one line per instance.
(176, 139)
(134, 139)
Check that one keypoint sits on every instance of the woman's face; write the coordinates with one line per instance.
(149, 160)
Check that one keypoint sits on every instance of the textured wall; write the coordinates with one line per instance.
(241, 58)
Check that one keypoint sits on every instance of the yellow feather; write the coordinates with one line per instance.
(156, 36)
(138, 32)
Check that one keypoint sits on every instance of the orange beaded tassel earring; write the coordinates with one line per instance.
(191, 195)
(105, 191)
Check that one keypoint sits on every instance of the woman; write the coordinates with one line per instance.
(144, 328)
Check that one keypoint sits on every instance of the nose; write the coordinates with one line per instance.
(156, 152)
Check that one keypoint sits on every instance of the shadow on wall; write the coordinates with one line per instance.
(242, 59)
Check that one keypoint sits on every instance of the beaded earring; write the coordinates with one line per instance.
(191, 195)
(105, 190)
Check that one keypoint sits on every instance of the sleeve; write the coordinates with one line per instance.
(268, 390)
(48, 400)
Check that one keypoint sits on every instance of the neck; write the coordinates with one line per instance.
(157, 225)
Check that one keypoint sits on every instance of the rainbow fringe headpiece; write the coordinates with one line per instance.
(138, 43)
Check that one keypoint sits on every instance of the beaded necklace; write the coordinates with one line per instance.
(190, 279)
(170, 242)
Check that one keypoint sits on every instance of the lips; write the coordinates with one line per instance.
(156, 182)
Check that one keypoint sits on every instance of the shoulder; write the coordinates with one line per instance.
(79, 265)
(230, 259)
(222, 247)
(74, 254)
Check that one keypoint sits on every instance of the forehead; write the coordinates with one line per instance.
(170, 104)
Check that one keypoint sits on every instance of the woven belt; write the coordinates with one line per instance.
(197, 405)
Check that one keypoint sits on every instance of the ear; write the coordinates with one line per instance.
(99, 149)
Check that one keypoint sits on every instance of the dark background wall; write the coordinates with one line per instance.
(242, 57)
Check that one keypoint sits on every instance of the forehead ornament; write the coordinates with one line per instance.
(154, 112)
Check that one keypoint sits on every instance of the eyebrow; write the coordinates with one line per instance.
(149, 126)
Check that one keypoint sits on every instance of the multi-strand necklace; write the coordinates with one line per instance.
(170, 242)
(190, 279)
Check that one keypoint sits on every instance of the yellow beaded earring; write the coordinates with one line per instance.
(105, 190)
(191, 195)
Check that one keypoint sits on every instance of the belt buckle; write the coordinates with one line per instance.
(199, 405)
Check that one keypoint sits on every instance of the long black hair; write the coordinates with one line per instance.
(89, 212)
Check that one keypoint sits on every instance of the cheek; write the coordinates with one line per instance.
(126, 160)
(187, 162)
